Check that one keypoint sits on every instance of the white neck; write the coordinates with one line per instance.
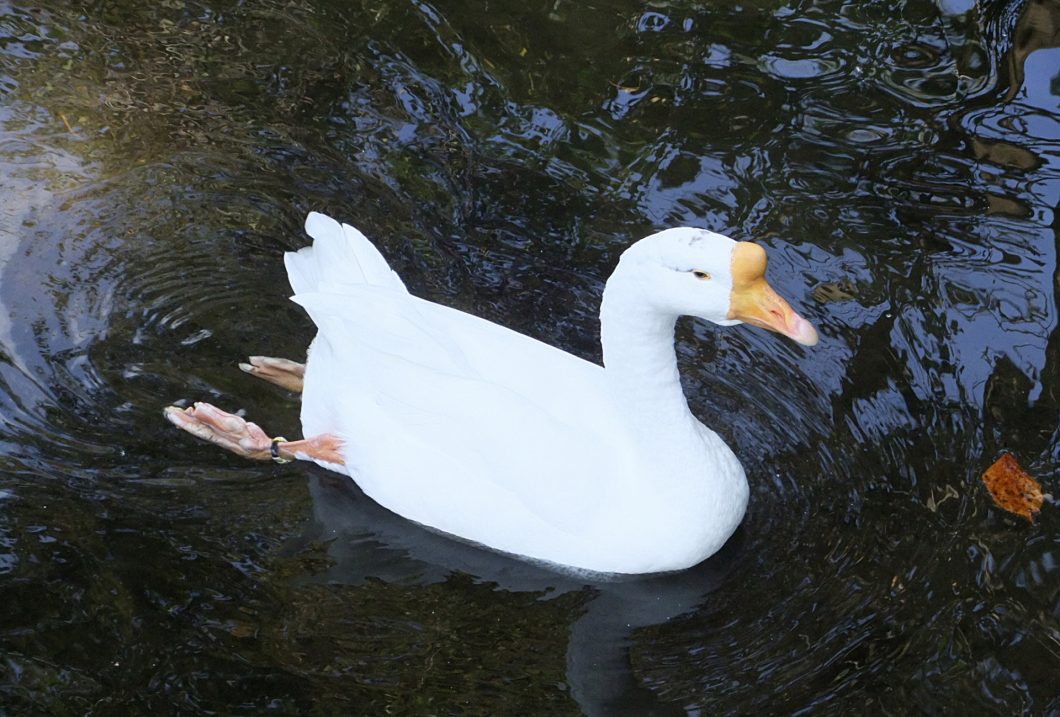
(694, 477)
(641, 365)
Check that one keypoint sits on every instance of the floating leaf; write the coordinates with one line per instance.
(1012, 489)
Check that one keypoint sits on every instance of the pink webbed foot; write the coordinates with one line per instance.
(223, 429)
(248, 439)
(282, 372)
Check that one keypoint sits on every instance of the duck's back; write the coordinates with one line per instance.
(361, 307)
(451, 420)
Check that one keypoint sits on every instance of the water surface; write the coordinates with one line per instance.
(900, 162)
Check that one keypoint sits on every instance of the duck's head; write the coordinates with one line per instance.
(686, 271)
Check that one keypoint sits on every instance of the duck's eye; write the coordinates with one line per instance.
(702, 275)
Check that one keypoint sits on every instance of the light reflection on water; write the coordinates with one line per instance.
(899, 160)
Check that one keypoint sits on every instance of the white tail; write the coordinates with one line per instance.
(339, 259)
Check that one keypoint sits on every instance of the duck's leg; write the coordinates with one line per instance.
(283, 373)
(247, 439)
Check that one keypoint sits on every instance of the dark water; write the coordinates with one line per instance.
(900, 160)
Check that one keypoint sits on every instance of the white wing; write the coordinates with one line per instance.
(448, 419)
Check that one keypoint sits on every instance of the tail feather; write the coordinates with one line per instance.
(340, 258)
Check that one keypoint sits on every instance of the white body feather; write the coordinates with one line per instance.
(470, 428)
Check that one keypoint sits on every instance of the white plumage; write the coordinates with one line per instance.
(470, 428)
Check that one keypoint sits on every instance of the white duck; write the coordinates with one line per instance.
(475, 430)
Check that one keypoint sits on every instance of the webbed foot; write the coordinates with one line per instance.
(282, 372)
(223, 429)
(248, 439)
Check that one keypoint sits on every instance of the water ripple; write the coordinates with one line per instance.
(897, 160)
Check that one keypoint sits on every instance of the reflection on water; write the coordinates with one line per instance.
(898, 159)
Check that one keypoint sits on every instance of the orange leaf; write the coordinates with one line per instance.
(1012, 489)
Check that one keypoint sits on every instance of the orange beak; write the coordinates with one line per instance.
(753, 300)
